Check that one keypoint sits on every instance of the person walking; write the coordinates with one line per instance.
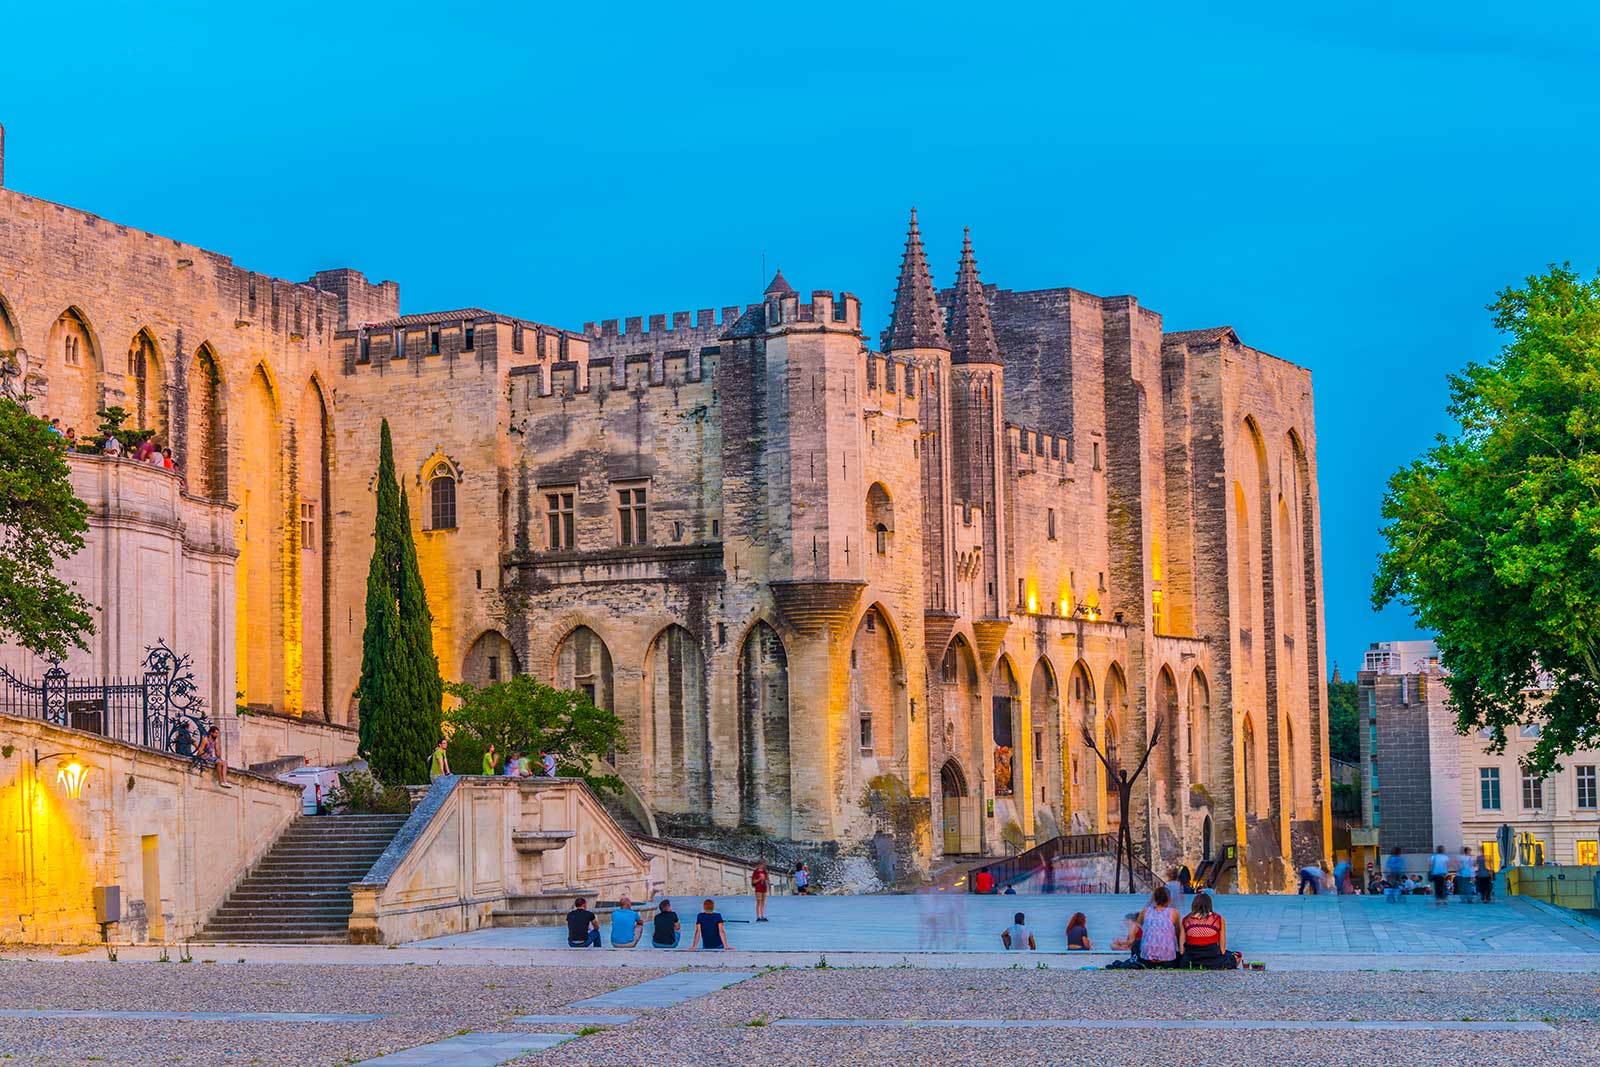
(1017, 937)
(1483, 875)
(1439, 875)
(1341, 878)
(439, 764)
(1310, 878)
(709, 930)
(1464, 868)
(1162, 940)
(759, 883)
(490, 760)
(666, 931)
(1394, 876)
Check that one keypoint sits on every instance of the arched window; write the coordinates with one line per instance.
(442, 499)
(881, 533)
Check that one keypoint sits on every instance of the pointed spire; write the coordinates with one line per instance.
(916, 322)
(779, 287)
(971, 331)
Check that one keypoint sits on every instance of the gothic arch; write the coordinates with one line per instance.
(1311, 608)
(438, 480)
(1115, 717)
(314, 486)
(1044, 713)
(764, 785)
(961, 702)
(880, 518)
(878, 726)
(1005, 725)
(72, 366)
(676, 704)
(1201, 735)
(1266, 593)
(205, 450)
(1083, 767)
(952, 779)
(146, 386)
(1166, 760)
(490, 659)
(1250, 759)
(265, 676)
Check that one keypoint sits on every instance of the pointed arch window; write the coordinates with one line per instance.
(442, 498)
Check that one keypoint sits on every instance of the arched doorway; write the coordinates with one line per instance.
(764, 790)
(1004, 726)
(675, 681)
(960, 811)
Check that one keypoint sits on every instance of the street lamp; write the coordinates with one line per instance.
(70, 776)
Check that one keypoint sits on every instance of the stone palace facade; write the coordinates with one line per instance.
(834, 590)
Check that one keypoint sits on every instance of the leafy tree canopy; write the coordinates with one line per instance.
(1493, 536)
(1343, 740)
(525, 715)
(41, 522)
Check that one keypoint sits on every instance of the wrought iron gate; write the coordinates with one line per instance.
(160, 709)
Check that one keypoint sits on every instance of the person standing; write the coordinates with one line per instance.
(439, 764)
(1484, 877)
(759, 882)
(1310, 878)
(667, 931)
(583, 929)
(1341, 878)
(1464, 870)
(1017, 937)
(1174, 887)
(802, 880)
(709, 931)
(548, 759)
(1439, 875)
(490, 761)
(1394, 876)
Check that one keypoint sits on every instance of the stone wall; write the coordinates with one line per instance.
(172, 839)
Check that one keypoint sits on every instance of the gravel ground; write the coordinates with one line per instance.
(422, 1004)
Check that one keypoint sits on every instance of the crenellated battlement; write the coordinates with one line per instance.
(599, 379)
(683, 323)
(784, 311)
(891, 382)
(1036, 450)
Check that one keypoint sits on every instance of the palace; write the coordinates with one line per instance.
(836, 591)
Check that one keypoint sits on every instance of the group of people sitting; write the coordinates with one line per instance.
(1156, 936)
(627, 927)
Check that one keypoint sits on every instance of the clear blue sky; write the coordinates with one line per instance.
(1347, 190)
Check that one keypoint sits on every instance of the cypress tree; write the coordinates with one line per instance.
(401, 691)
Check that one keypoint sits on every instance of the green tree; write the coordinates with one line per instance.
(41, 522)
(401, 692)
(525, 715)
(1343, 740)
(1493, 536)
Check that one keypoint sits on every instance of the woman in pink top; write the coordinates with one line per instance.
(1163, 936)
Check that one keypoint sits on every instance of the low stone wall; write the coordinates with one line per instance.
(267, 736)
(171, 839)
(474, 843)
(1569, 887)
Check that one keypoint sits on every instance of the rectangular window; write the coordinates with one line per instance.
(1588, 853)
(631, 517)
(1588, 794)
(399, 344)
(471, 334)
(433, 342)
(1530, 730)
(1050, 523)
(1097, 455)
(866, 734)
(677, 530)
(308, 529)
(1489, 788)
(1532, 793)
(494, 668)
(1038, 746)
(516, 338)
(558, 507)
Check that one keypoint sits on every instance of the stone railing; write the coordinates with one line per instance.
(267, 736)
(473, 845)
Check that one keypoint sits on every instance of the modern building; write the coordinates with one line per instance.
(1424, 784)
(836, 592)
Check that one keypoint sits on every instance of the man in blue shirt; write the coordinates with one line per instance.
(626, 925)
(709, 932)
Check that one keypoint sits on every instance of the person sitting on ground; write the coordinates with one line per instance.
(1131, 933)
(626, 926)
(1205, 938)
(1078, 933)
(1010, 890)
(583, 929)
(210, 755)
(1162, 940)
(709, 931)
(667, 931)
(1017, 937)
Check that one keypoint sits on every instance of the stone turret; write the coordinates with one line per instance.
(916, 321)
(971, 331)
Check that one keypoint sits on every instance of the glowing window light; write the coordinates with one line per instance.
(71, 777)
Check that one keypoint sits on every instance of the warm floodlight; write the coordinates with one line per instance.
(71, 776)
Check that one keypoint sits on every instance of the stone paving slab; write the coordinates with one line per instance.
(470, 1050)
(1170, 1024)
(192, 1016)
(573, 1020)
(666, 991)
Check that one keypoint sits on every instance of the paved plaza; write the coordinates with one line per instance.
(1259, 925)
(1375, 981)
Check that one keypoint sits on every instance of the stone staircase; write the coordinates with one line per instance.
(300, 890)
